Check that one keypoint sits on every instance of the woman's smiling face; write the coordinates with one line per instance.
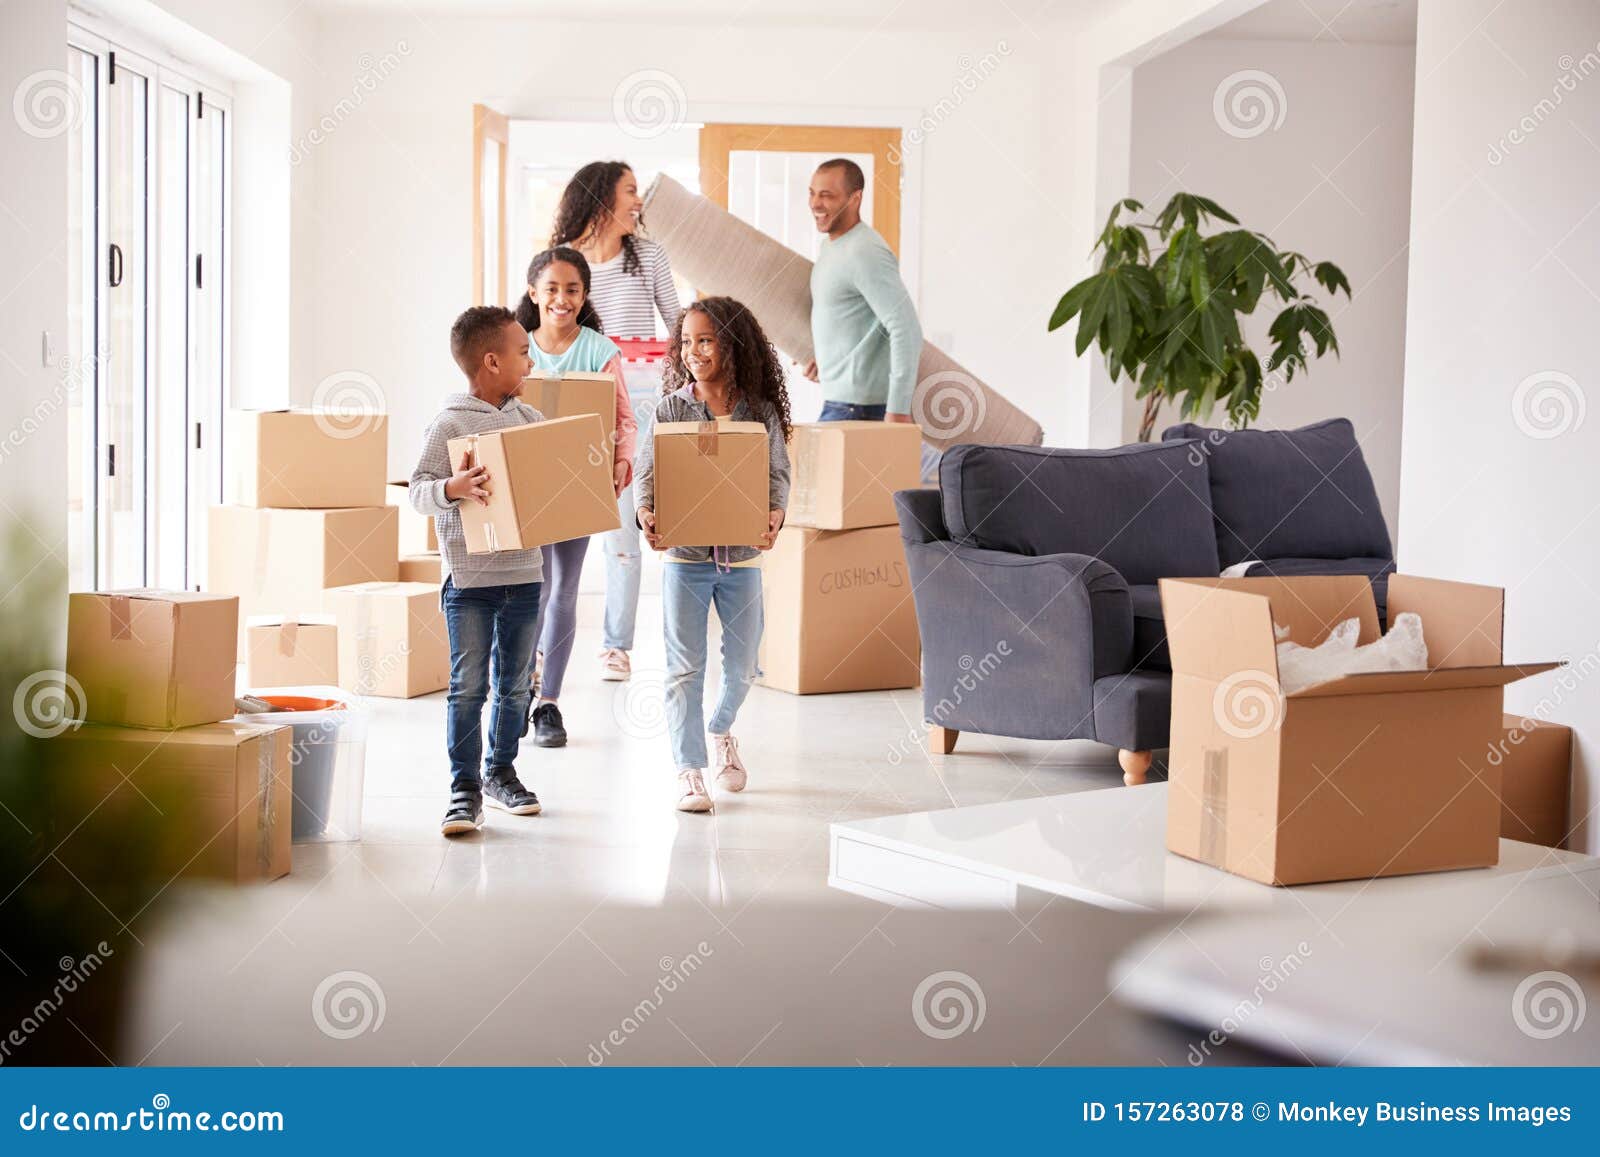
(558, 293)
(626, 204)
(699, 347)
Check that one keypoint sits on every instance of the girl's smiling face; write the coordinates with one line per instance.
(559, 294)
(699, 347)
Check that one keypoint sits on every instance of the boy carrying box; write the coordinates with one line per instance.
(491, 601)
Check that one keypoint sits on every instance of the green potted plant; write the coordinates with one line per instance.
(1171, 321)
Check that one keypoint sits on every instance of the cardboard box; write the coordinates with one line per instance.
(1535, 761)
(846, 473)
(712, 485)
(1378, 774)
(839, 615)
(306, 459)
(422, 568)
(392, 639)
(569, 394)
(550, 481)
(417, 532)
(224, 789)
(280, 562)
(148, 658)
(291, 651)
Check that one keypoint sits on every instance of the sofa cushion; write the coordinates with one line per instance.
(1133, 711)
(1149, 629)
(1376, 569)
(1144, 509)
(1302, 493)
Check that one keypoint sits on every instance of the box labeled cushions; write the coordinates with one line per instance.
(153, 658)
(306, 459)
(288, 650)
(417, 533)
(549, 481)
(569, 394)
(712, 486)
(392, 639)
(1375, 774)
(846, 473)
(839, 612)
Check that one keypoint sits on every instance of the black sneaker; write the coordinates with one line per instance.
(548, 730)
(502, 789)
(465, 814)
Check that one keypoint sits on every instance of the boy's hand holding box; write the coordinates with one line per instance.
(712, 483)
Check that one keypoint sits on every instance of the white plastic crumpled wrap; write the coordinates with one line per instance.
(1402, 649)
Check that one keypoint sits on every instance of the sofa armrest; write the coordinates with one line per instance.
(1012, 644)
(921, 515)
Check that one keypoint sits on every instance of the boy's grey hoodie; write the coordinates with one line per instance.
(464, 414)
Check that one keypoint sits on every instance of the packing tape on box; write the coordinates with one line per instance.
(288, 636)
(120, 608)
(490, 538)
(705, 439)
(1214, 808)
(803, 490)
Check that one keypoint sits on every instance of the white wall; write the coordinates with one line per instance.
(1498, 479)
(1332, 180)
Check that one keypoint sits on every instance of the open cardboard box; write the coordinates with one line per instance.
(1378, 774)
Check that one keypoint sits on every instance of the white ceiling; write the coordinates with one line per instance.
(1327, 21)
(842, 13)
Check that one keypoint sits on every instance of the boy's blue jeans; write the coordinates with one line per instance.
(491, 650)
(687, 591)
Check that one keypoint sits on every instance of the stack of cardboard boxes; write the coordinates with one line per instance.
(839, 610)
(309, 533)
(420, 561)
(156, 671)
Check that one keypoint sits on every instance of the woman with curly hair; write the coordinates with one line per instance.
(630, 283)
(719, 367)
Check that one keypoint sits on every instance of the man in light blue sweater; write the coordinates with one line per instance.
(863, 325)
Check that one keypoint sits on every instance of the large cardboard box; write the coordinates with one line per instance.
(224, 793)
(549, 481)
(1378, 774)
(146, 658)
(306, 459)
(417, 532)
(712, 486)
(280, 562)
(422, 568)
(291, 651)
(392, 639)
(1535, 761)
(838, 612)
(569, 394)
(846, 473)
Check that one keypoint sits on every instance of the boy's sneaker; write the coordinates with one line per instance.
(502, 789)
(693, 796)
(614, 665)
(465, 814)
(731, 773)
(548, 729)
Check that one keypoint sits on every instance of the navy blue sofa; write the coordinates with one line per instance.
(1035, 570)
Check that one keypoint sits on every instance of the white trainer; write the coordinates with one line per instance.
(731, 772)
(692, 786)
(614, 665)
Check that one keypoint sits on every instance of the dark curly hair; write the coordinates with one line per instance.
(758, 375)
(588, 199)
(528, 313)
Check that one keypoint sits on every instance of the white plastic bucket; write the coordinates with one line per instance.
(327, 757)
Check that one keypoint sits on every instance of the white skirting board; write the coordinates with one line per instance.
(721, 255)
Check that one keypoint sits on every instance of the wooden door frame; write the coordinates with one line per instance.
(488, 125)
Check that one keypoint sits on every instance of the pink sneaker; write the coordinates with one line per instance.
(731, 772)
(614, 665)
(692, 786)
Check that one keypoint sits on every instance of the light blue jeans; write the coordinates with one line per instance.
(687, 591)
(622, 547)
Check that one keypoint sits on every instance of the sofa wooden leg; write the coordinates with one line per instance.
(942, 740)
(1135, 766)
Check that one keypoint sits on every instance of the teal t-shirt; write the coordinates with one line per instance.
(864, 329)
(589, 353)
